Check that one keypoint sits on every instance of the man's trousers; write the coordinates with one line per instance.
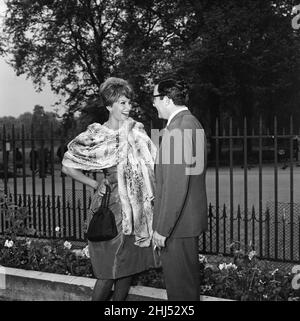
(181, 268)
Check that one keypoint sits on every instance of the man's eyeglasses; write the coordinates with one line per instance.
(158, 95)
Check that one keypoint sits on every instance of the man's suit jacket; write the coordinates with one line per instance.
(180, 206)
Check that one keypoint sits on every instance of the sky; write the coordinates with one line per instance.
(17, 94)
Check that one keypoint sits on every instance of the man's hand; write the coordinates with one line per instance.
(158, 240)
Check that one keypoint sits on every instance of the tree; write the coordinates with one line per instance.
(43, 122)
(25, 120)
(243, 57)
(72, 44)
(76, 44)
(8, 122)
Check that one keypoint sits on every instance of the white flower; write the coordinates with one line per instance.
(8, 243)
(57, 229)
(206, 288)
(222, 266)
(231, 266)
(202, 258)
(227, 266)
(272, 273)
(86, 252)
(67, 245)
(208, 266)
(78, 252)
(251, 255)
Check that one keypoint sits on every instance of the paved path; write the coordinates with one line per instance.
(268, 185)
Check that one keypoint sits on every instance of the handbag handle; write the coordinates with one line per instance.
(105, 198)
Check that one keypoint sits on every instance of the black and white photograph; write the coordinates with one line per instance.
(150, 151)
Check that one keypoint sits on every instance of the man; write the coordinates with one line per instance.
(180, 207)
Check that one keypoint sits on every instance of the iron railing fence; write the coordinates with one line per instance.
(269, 222)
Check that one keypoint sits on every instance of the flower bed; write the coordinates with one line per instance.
(54, 256)
(242, 277)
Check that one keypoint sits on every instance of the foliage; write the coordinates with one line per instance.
(242, 57)
(47, 256)
(14, 218)
(242, 277)
(34, 123)
(246, 278)
(19, 250)
(72, 44)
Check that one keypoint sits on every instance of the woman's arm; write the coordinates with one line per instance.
(80, 177)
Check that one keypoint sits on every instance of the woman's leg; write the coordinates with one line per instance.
(122, 287)
(102, 290)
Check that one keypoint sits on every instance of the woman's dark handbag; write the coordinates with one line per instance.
(102, 226)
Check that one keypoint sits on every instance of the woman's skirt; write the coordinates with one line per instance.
(118, 257)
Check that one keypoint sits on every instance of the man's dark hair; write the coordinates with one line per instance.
(177, 90)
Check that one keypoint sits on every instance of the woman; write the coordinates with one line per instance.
(121, 149)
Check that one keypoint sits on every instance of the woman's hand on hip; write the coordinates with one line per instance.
(101, 189)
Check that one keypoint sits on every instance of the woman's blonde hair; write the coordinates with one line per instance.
(113, 88)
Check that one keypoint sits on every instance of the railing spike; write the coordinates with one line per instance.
(224, 211)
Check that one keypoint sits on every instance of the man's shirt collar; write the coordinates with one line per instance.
(174, 114)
